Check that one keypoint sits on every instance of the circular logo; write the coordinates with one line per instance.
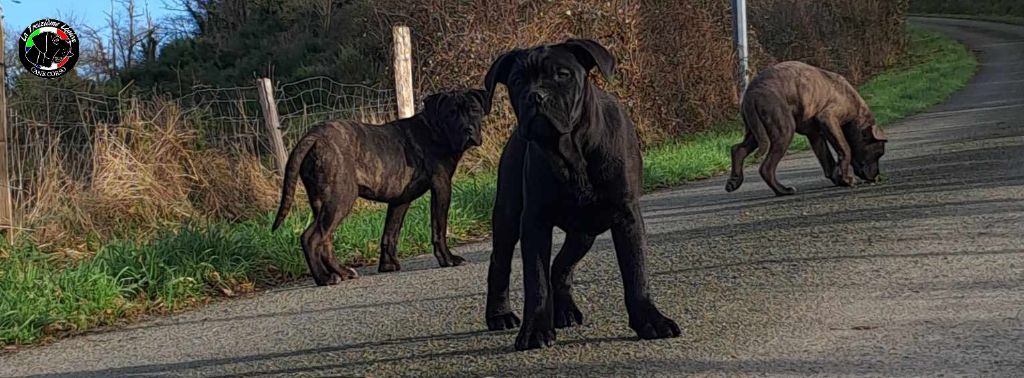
(48, 48)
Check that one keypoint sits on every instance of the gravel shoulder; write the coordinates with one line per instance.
(920, 275)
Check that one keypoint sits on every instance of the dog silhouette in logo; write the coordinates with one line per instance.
(48, 48)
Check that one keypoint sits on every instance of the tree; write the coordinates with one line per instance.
(228, 42)
(131, 36)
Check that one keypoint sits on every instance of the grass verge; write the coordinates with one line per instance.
(41, 299)
(1006, 19)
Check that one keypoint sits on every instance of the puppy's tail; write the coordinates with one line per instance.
(755, 123)
(291, 173)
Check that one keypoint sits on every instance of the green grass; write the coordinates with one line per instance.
(1005, 9)
(40, 298)
(1013, 20)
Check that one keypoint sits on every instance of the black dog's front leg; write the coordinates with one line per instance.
(576, 245)
(538, 329)
(508, 209)
(630, 245)
(504, 236)
(440, 200)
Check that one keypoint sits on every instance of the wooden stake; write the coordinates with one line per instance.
(266, 91)
(403, 71)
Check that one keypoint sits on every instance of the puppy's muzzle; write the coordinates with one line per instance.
(473, 138)
(537, 97)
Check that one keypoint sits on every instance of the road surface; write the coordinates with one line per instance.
(921, 275)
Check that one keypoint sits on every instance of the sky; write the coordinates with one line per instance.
(18, 14)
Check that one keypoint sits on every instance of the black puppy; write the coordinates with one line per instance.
(394, 163)
(573, 162)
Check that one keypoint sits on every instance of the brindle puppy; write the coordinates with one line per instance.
(394, 163)
(795, 97)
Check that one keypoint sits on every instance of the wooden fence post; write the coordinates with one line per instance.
(403, 71)
(266, 90)
(6, 211)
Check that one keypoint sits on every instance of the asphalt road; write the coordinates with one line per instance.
(921, 275)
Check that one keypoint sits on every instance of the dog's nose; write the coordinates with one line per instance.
(537, 97)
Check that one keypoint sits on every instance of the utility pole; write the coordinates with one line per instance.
(739, 12)
(6, 206)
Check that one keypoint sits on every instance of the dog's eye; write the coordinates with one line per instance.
(563, 74)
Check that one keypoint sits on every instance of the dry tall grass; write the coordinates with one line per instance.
(144, 174)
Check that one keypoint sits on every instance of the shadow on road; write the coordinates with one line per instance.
(252, 359)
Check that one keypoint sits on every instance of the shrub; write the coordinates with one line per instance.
(676, 72)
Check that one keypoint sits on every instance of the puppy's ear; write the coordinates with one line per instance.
(877, 134)
(590, 53)
(481, 97)
(499, 74)
(431, 105)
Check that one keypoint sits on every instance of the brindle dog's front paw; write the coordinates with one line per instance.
(533, 335)
(733, 184)
(502, 322)
(785, 191)
(330, 279)
(654, 325)
(566, 312)
(335, 278)
(451, 260)
(841, 179)
(391, 266)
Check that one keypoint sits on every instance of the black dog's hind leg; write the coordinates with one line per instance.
(440, 200)
(575, 247)
(739, 154)
(630, 244)
(538, 329)
(389, 240)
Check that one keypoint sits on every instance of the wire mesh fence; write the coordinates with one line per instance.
(57, 131)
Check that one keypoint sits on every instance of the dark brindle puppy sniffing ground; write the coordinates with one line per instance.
(394, 163)
(572, 162)
(793, 97)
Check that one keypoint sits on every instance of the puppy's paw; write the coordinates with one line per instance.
(502, 322)
(386, 267)
(335, 278)
(654, 325)
(785, 191)
(533, 336)
(566, 313)
(733, 184)
(450, 261)
(331, 279)
(841, 179)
